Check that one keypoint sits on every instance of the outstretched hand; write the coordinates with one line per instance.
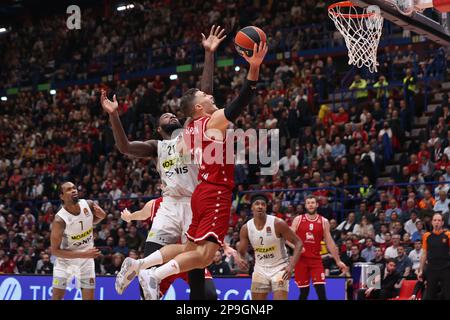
(108, 105)
(126, 215)
(214, 39)
(259, 52)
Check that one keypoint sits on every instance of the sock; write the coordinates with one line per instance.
(320, 290)
(304, 292)
(152, 260)
(197, 284)
(167, 269)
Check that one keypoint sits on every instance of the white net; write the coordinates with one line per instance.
(361, 29)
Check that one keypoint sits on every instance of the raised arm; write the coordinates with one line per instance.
(222, 117)
(332, 246)
(282, 228)
(138, 149)
(99, 213)
(56, 237)
(210, 44)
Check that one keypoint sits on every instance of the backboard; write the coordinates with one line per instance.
(435, 28)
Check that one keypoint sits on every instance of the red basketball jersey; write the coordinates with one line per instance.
(311, 234)
(210, 154)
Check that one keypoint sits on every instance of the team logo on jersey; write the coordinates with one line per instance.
(82, 235)
(309, 236)
(91, 281)
(86, 212)
(265, 249)
(269, 231)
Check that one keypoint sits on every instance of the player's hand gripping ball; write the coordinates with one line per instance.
(247, 37)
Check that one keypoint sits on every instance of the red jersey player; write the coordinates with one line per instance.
(312, 228)
(211, 200)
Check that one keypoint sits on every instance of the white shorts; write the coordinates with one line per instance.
(171, 221)
(269, 280)
(82, 269)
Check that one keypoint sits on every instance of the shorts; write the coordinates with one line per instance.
(211, 207)
(307, 269)
(82, 269)
(264, 281)
(172, 221)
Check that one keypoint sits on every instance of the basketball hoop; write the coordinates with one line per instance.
(361, 29)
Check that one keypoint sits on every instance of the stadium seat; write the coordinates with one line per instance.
(406, 290)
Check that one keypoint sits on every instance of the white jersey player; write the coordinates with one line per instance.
(267, 235)
(72, 243)
(179, 179)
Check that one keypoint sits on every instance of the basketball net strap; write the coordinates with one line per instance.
(361, 31)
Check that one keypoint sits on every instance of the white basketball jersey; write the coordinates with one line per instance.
(270, 251)
(78, 232)
(178, 179)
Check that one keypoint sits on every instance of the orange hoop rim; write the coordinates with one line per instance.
(347, 15)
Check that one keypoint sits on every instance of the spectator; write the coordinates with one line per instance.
(379, 259)
(393, 207)
(441, 205)
(348, 224)
(392, 251)
(7, 265)
(133, 239)
(417, 236)
(369, 252)
(364, 229)
(381, 236)
(323, 148)
(355, 257)
(114, 267)
(410, 225)
(46, 267)
(359, 85)
(389, 278)
(442, 186)
(289, 162)
(404, 264)
(427, 202)
(219, 267)
(382, 91)
(415, 255)
(121, 247)
(338, 150)
(229, 235)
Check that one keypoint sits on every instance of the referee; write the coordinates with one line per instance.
(436, 252)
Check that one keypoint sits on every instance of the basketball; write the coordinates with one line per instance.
(247, 37)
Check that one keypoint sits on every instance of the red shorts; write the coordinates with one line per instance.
(308, 268)
(167, 282)
(211, 206)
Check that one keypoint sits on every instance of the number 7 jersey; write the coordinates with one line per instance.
(178, 178)
(78, 231)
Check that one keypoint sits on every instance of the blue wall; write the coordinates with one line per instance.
(18, 287)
